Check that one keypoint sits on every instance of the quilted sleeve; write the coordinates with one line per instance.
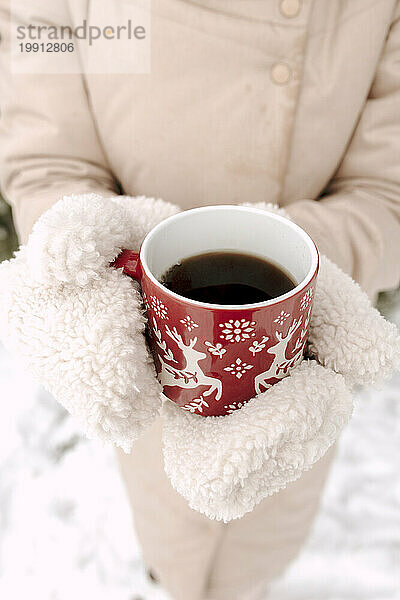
(49, 145)
(356, 223)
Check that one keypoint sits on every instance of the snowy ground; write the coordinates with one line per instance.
(66, 531)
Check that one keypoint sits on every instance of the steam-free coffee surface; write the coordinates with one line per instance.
(227, 278)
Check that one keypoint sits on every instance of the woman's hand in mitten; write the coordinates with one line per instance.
(78, 324)
(225, 465)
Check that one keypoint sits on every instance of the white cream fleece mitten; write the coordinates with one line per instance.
(225, 465)
(78, 325)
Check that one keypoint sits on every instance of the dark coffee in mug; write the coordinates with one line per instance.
(227, 278)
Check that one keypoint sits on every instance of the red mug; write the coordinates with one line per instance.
(210, 358)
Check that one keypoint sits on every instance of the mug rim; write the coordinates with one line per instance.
(312, 272)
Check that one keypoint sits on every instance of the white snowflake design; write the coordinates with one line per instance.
(230, 408)
(238, 368)
(306, 299)
(215, 349)
(258, 346)
(237, 330)
(159, 308)
(281, 318)
(196, 405)
(188, 323)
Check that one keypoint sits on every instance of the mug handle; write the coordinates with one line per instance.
(129, 261)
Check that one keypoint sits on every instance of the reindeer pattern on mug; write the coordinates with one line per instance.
(285, 347)
(190, 375)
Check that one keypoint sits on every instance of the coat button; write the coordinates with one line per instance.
(280, 73)
(290, 8)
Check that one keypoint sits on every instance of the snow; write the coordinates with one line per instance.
(66, 530)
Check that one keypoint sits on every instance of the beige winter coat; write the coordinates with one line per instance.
(293, 102)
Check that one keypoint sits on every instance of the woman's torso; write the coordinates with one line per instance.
(246, 100)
